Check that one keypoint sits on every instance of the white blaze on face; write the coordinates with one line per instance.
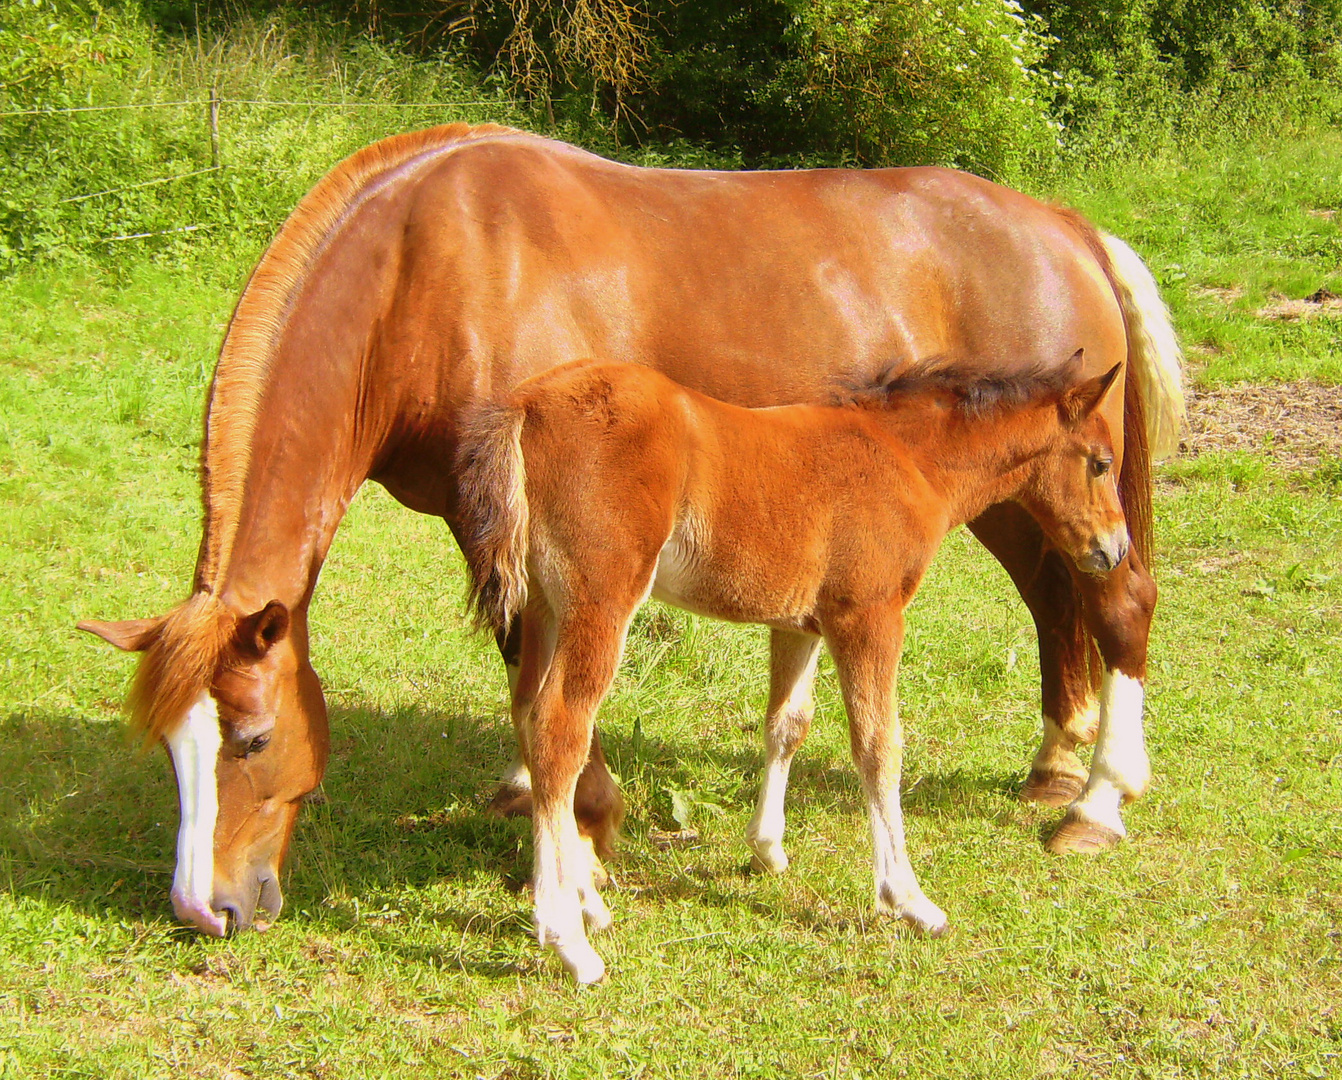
(195, 754)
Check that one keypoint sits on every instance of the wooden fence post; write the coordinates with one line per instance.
(214, 127)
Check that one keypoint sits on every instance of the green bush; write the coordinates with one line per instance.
(1186, 62)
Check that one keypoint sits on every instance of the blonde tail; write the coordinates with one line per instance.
(1155, 361)
(494, 516)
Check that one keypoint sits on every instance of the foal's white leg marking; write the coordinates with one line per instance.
(1120, 770)
(195, 754)
(764, 834)
(563, 887)
(897, 889)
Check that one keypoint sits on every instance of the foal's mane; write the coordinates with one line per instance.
(194, 638)
(973, 392)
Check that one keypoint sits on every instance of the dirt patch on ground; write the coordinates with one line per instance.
(1295, 423)
(1323, 302)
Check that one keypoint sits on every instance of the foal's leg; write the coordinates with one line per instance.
(1070, 710)
(792, 659)
(598, 803)
(866, 654)
(557, 738)
(1119, 606)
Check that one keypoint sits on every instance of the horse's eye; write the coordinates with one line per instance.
(1100, 466)
(256, 745)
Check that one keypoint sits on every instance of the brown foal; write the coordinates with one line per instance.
(596, 485)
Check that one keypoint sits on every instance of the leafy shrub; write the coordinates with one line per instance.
(1186, 60)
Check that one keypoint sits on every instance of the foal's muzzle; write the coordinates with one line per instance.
(1106, 552)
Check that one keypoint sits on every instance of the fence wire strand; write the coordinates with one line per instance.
(262, 103)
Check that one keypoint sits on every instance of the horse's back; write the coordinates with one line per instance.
(554, 253)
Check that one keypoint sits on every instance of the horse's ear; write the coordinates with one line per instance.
(259, 631)
(132, 635)
(1080, 401)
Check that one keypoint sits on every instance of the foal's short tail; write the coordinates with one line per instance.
(494, 515)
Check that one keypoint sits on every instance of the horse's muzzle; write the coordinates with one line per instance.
(252, 906)
(1106, 552)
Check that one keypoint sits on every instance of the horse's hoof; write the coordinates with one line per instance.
(1052, 789)
(1078, 836)
(510, 802)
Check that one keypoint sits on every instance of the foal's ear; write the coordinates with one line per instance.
(256, 633)
(1080, 401)
(132, 635)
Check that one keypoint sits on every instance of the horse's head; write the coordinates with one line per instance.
(241, 713)
(1073, 493)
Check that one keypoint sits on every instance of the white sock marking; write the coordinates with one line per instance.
(897, 889)
(764, 834)
(565, 895)
(195, 754)
(1120, 770)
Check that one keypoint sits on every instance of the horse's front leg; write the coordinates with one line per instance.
(866, 654)
(556, 741)
(792, 662)
(1119, 607)
(1067, 699)
(598, 804)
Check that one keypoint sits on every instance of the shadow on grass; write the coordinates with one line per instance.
(86, 820)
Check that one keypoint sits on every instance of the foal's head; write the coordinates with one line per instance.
(1050, 431)
(1072, 489)
(240, 711)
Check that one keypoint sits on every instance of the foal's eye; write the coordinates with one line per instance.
(1100, 466)
(256, 745)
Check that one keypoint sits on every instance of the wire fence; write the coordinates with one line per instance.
(201, 102)
(213, 104)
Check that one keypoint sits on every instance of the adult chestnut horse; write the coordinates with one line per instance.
(594, 486)
(434, 270)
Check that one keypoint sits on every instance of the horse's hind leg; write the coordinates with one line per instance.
(557, 740)
(792, 659)
(1119, 606)
(866, 654)
(1067, 696)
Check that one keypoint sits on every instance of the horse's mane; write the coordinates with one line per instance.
(194, 638)
(973, 392)
(260, 315)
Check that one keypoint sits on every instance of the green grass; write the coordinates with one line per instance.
(1225, 226)
(1209, 945)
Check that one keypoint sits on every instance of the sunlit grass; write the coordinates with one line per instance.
(1207, 945)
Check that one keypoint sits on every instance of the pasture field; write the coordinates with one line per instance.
(1210, 944)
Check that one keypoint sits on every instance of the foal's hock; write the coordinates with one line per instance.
(596, 485)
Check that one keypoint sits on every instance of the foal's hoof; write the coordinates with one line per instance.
(1078, 836)
(932, 929)
(1052, 789)
(768, 857)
